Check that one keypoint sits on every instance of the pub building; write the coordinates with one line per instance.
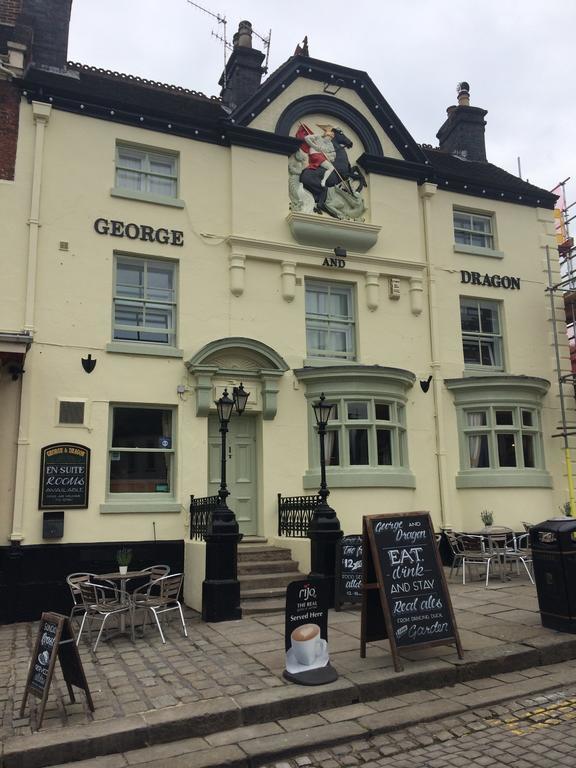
(160, 246)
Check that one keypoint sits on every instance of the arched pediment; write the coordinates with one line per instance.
(243, 358)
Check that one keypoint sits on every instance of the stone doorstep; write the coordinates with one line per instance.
(207, 717)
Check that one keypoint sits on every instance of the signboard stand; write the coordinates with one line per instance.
(55, 640)
(348, 571)
(306, 634)
(405, 596)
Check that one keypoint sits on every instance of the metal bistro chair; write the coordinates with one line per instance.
(456, 550)
(73, 580)
(474, 553)
(158, 597)
(519, 552)
(101, 602)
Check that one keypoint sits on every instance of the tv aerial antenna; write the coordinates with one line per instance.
(221, 19)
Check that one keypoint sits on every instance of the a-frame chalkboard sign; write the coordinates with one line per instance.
(55, 640)
(406, 597)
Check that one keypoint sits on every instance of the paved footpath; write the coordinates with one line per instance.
(220, 692)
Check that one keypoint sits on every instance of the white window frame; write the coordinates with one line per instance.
(488, 341)
(469, 235)
(146, 174)
(329, 323)
(169, 304)
(170, 452)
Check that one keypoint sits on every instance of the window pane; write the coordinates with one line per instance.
(469, 318)
(139, 472)
(129, 180)
(384, 446)
(462, 220)
(130, 279)
(478, 451)
(382, 411)
(159, 186)
(527, 419)
(528, 450)
(506, 450)
(481, 224)
(140, 427)
(471, 352)
(488, 353)
(358, 445)
(128, 159)
(338, 341)
(162, 166)
(339, 305)
(489, 320)
(332, 448)
(504, 417)
(357, 410)
(476, 418)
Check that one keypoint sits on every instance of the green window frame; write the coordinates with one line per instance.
(366, 442)
(500, 431)
(144, 171)
(330, 320)
(481, 326)
(473, 229)
(141, 452)
(145, 301)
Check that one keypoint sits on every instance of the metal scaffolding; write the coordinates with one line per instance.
(566, 287)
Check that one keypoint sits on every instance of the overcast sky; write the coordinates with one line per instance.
(516, 54)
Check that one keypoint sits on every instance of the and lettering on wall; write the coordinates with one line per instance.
(64, 476)
(491, 281)
(334, 261)
(142, 232)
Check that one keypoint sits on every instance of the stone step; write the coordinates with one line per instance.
(269, 566)
(253, 552)
(262, 581)
(262, 594)
(263, 607)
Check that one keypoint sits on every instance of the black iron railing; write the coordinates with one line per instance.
(200, 513)
(294, 515)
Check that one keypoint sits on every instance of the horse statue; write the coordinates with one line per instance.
(321, 176)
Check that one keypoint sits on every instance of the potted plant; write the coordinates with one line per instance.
(123, 558)
(487, 518)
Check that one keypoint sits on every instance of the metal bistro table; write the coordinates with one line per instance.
(123, 578)
(494, 534)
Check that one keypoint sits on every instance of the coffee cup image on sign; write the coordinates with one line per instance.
(306, 644)
(44, 658)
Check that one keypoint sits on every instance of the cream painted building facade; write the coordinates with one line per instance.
(153, 231)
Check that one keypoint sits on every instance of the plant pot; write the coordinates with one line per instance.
(123, 569)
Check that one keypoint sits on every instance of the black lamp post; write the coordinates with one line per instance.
(324, 530)
(220, 588)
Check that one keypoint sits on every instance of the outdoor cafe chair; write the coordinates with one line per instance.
(474, 552)
(73, 580)
(520, 552)
(159, 597)
(147, 575)
(455, 549)
(101, 602)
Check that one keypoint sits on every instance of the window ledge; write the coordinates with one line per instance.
(319, 362)
(143, 348)
(498, 478)
(145, 197)
(476, 250)
(138, 507)
(366, 477)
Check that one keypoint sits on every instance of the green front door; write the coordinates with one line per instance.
(240, 468)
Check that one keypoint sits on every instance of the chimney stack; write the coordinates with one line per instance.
(244, 69)
(463, 131)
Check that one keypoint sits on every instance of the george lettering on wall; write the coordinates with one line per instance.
(142, 232)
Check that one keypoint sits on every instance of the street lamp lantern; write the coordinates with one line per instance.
(220, 588)
(322, 411)
(324, 530)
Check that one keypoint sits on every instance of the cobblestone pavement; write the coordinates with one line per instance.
(536, 731)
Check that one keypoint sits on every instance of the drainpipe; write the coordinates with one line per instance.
(427, 191)
(41, 115)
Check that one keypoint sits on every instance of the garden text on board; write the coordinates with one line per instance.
(405, 597)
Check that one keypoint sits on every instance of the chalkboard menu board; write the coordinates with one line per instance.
(64, 476)
(55, 640)
(403, 567)
(348, 571)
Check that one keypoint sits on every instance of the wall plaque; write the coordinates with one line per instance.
(64, 476)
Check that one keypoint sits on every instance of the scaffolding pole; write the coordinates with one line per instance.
(567, 456)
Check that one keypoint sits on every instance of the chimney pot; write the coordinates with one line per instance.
(245, 34)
